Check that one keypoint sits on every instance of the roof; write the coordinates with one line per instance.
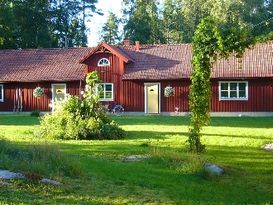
(113, 49)
(162, 62)
(152, 62)
(33, 65)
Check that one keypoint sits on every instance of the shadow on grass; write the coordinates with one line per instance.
(244, 122)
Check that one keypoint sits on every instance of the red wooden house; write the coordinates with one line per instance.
(135, 76)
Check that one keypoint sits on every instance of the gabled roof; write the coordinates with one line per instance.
(151, 62)
(163, 62)
(114, 50)
(33, 65)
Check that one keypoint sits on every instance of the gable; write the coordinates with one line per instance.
(104, 48)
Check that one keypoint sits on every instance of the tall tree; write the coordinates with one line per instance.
(172, 22)
(43, 23)
(32, 23)
(144, 23)
(7, 25)
(110, 30)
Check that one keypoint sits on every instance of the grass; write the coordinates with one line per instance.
(170, 176)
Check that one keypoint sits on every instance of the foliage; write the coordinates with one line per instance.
(38, 92)
(168, 91)
(143, 23)
(178, 19)
(110, 30)
(42, 23)
(211, 41)
(41, 159)
(77, 118)
(35, 113)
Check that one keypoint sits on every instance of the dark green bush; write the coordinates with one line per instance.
(35, 113)
(76, 118)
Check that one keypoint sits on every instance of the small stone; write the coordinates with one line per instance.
(50, 181)
(135, 158)
(6, 174)
(213, 169)
(268, 147)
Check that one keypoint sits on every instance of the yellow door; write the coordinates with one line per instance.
(59, 92)
(152, 98)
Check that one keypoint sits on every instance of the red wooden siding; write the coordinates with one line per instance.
(260, 97)
(30, 103)
(109, 74)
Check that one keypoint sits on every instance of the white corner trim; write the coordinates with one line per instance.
(3, 92)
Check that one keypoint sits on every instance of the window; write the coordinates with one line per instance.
(1, 93)
(233, 90)
(105, 91)
(103, 62)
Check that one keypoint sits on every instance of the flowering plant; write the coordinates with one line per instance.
(38, 92)
(168, 91)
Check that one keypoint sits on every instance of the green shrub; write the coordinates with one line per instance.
(35, 113)
(76, 118)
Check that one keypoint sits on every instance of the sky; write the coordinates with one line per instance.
(97, 21)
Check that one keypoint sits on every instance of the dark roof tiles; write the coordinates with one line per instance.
(42, 64)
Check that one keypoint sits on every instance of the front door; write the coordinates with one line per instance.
(152, 98)
(58, 92)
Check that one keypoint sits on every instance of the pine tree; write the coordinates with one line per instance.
(110, 32)
(144, 22)
(172, 21)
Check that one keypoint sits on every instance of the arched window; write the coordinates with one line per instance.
(104, 62)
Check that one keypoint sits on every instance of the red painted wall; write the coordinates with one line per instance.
(30, 103)
(130, 93)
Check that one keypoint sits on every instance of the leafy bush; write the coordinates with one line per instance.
(75, 118)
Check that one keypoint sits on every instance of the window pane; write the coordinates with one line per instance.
(108, 88)
(242, 86)
(108, 95)
(233, 94)
(233, 86)
(101, 94)
(224, 94)
(242, 94)
(224, 86)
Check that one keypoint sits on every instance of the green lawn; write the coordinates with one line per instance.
(170, 176)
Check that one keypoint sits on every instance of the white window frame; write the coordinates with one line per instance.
(229, 98)
(105, 60)
(104, 91)
(2, 91)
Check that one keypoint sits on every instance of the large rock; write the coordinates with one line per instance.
(213, 169)
(6, 174)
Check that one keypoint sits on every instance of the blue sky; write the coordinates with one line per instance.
(97, 21)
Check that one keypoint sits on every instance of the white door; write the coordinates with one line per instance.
(58, 93)
(152, 98)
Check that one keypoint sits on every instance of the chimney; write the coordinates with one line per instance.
(137, 45)
(126, 42)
